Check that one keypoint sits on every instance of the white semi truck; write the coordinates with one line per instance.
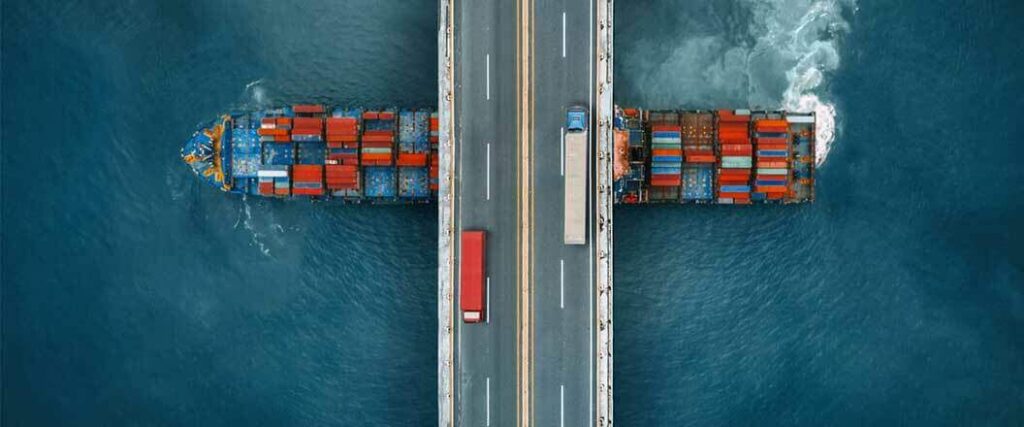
(577, 142)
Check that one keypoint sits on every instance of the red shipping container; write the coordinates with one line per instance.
(472, 266)
(666, 152)
(412, 159)
(771, 126)
(308, 109)
(735, 172)
(730, 116)
(737, 150)
(770, 189)
(267, 188)
(270, 131)
(308, 123)
(307, 173)
(701, 158)
(669, 181)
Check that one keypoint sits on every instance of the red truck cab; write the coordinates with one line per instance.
(472, 292)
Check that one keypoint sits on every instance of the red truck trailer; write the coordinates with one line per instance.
(471, 275)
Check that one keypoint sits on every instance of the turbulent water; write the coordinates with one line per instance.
(897, 298)
(736, 53)
(133, 295)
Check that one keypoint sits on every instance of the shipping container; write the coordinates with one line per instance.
(472, 271)
(723, 156)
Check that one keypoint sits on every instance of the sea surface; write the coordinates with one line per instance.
(133, 295)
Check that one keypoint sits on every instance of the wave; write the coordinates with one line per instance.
(256, 237)
(256, 94)
(766, 54)
(810, 45)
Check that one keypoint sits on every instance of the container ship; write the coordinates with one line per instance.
(347, 154)
(713, 157)
(357, 155)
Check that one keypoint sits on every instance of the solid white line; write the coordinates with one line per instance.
(488, 171)
(561, 153)
(561, 283)
(561, 410)
(563, 34)
(488, 76)
(488, 307)
(488, 400)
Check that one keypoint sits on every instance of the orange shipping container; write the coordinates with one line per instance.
(275, 132)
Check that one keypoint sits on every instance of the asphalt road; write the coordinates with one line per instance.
(486, 198)
(563, 386)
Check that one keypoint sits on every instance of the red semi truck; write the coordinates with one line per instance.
(471, 275)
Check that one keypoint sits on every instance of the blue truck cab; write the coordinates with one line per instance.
(576, 119)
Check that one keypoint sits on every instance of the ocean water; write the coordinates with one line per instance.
(132, 295)
(898, 297)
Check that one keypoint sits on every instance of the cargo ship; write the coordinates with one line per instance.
(347, 154)
(357, 155)
(713, 157)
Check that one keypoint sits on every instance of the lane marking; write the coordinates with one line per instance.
(488, 76)
(561, 283)
(561, 409)
(561, 153)
(488, 308)
(488, 400)
(563, 34)
(488, 171)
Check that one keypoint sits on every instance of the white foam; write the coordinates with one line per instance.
(245, 219)
(257, 93)
(809, 43)
(766, 54)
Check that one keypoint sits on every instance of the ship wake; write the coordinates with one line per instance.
(762, 54)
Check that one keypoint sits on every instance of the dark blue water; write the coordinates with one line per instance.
(133, 295)
(897, 298)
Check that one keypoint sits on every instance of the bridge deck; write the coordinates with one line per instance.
(505, 88)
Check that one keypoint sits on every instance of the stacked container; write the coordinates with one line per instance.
(434, 158)
(699, 157)
(666, 155)
(343, 137)
(307, 132)
(773, 153)
(378, 138)
(380, 181)
(412, 138)
(308, 180)
(275, 135)
(245, 152)
(736, 157)
(414, 149)
(342, 180)
(274, 180)
(630, 185)
(801, 131)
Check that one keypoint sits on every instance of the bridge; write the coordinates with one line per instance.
(508, 72)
